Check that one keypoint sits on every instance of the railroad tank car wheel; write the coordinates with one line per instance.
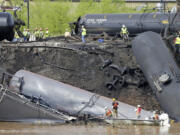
(110, 86)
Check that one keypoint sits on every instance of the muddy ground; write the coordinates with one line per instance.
(88, 66)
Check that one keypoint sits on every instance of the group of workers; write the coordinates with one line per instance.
(114, 113)
(37, 34)
(109, 113)
(123, 32)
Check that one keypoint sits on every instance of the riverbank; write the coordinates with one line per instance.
(83, 66)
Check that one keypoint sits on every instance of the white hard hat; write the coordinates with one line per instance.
(105, 108)
(123, 25)
(82, 26)
(138, 105)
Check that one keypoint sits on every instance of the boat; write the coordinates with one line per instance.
(116, 121)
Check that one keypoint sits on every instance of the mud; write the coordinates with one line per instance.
(79, 65)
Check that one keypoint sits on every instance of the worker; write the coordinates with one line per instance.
(155, 115)
(16, 37)
(36, 33)
(67, 34)
(83, 34)
(28, 35)
(177, 44)
(46, 34)
(115, 108)
(108, 113)
(41, 34)
(25, 34)
(164, 119)
(32, 36)
(124, 31)
(138, 111)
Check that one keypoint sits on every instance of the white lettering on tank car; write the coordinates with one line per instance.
(91, 21)
(94, 21)
(101, 20)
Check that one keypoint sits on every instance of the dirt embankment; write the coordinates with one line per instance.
(85, 66)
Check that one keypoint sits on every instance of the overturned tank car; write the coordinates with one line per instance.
(135, 22)
(6, 26)
(160, 69)
(66, 98)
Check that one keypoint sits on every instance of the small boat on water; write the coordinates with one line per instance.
(133, 122)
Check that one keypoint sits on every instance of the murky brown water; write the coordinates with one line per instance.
(95, 129)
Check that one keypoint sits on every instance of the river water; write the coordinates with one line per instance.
(90, 129)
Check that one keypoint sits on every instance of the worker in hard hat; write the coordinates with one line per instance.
(115, 108)
(155, 115)
(25, 34)
(16, 37)
(138, 111)
(108, 112)
(164, 119)
(46, 34)
(36, 33)
(67, 34)
(177, 44)
(124, 32)
(41, 34)
(28, 34)
(83, 33)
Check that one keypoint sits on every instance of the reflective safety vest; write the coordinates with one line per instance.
(124, 30)
(16, 35)
(46, 34)
(28, 34)
(25, 33)
(108, 113)
(41, 34)
(83, 32)
(36, 33)
(156, 116)
(177, 41)
(115, 105)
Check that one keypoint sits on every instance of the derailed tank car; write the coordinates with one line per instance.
(66, 98)
(160, 69)
(136, 23)
(6, 26)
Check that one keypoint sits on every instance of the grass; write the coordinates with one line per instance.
(57, 14)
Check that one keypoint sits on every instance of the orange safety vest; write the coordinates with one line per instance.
(108, 113)
(115, 105)
(156, 117)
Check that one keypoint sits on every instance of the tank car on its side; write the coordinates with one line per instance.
(136, 23)
(6, 26)
(160, 70)
(67, 98)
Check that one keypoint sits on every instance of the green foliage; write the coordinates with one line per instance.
(56, 15)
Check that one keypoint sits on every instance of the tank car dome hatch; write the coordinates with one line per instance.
(164, 78)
